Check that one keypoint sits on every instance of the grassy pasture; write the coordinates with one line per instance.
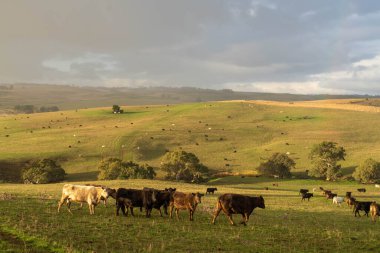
(29, 221)
(213, 131)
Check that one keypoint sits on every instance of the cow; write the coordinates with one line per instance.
(111, 193)
(348, 194)
(338, 200)
(130, 198)
(326, 192)
(237, 204)
(362, 206)
(211, 190)
(83, 194)
(162, 199)
(302, 191)
(351, 201)
(377, 185)
(362, 190)
(307, 196)
(331, 195)
(182, 201)
(275, 185)
(375, 211)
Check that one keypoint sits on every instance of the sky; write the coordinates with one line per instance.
(292, 46)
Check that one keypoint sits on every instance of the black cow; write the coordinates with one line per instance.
(211, 190)
(331, 195)
(362, 190)
(302, 191)
(307, 196)
(237, 204)
(362, 206)
(130, 198)
(348, 194)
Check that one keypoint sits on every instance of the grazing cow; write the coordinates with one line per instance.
(362, 206)
(211, 190)
(348, 194)
(182, 201)
(307, 196)
(375, 211)
(338, 200)
(302, 191)
(331, 195)
(325, 192)
(130, 198)
(81, 193)
(275, 185)
(351, 201)
(237, 204)
(362, 190)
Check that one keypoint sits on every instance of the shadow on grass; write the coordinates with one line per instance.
(83, 176)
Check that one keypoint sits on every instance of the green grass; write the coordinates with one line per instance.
(286, 225)
(254, 131)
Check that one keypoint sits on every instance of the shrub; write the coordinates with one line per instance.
(183, 166)
(278, 164)
(368, 171)
(43, 172)
(114, 168)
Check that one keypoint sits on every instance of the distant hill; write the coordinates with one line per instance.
(75, 97)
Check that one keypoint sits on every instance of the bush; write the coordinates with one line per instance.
(117, 109)
(183, 166)
(368, 171)
(25, 108)
(278, 164)
(324, 157)
(114, 168)
(43, 172)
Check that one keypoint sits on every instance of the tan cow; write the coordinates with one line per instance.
(83, 194)
(183, 201)
(375, 211)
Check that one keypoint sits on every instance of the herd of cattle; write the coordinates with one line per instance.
(367, 206)
(149, 199)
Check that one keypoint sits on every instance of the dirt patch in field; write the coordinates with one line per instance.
(339, 104)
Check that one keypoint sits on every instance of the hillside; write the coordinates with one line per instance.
(75, 97)
(226, 136)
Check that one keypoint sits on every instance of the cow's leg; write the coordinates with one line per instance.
(243, 221)
(131, 208)
(60, 203)
(190, 214)
(217, 212)
(176, 213)
(159, 209)
(229, 216)
(171, 211)
(165, 209)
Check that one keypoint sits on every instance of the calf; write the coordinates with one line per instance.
(338, 200)
(211, 190)
(331, 195)
(351, 201)
(362, 206)
(302, 191)
(183, 201)
(83, 194)
(163, 200)
(362, 190)
(307, 196)
(375, 211)
(130, 198)
(237, 204)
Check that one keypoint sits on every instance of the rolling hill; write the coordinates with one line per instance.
(230, 136)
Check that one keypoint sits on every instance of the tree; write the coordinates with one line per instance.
(325, 157)
(368, 171)
(278, 164)
(114, 168)
(43, 172)
(25, 108)
(183, 166)
(117, 109)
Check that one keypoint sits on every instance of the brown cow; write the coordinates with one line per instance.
(375, 211)
(182, 201)
(237, 204)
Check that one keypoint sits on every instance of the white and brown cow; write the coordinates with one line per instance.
(82, 194)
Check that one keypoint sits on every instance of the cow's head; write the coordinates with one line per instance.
(261, 203)
(105, 193)
(155, 195)
(111, 192)
(171, 190)
(198, 197)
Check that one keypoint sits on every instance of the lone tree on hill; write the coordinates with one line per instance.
(368, 171)
(325, 157)
(117, 109)
(278, 164)
(183, 166)
(43, 172)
